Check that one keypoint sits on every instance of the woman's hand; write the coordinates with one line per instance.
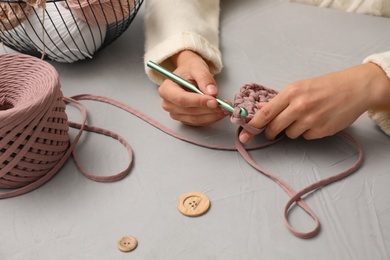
(322, 106)
(188, 107)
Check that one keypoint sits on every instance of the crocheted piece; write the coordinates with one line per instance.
(250, 97)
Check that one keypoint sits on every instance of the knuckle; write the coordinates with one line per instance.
(311, 135)
(164, 86)
(306, 108)
(292, 90)
(312, 122)
(205, 78)
(161, 91)
(195, 121)
(271, 131)
(291, 134)
(165, 106)
(265, 113)
(272, 128)
(175, 116)
(316, 133)
(191, 121)
(300, 107)
(308, 135)
(191, 111)
(322, 132)
(179, 100)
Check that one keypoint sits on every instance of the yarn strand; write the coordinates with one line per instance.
(34, 140)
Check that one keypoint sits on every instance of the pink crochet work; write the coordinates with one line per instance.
(249, 97)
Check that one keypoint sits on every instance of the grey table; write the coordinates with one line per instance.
(268, 42)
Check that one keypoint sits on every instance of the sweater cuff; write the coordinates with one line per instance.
(381, 114)
(161, 53)
(382, 60)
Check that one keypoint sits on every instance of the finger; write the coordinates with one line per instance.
(295, 129)
(205, 81)
(173, 108)
(175, 94)
(198, 120)
(322, 130)
(284, 120)
(266, 113)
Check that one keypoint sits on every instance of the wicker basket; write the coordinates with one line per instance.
(64, 30)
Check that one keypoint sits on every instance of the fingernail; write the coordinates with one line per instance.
(211, 90)
(212, 103)
(244, 137)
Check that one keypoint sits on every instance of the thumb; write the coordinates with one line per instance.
(206, 82)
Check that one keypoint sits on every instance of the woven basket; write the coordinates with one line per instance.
(33, 27)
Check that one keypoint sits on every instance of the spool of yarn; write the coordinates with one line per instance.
(101, 12)
(12, 14)
(61, 36)
(33, 131)
(34, 140)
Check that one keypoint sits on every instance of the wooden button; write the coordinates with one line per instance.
(193, 204)
(127, 243)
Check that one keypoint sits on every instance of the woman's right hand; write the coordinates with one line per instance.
(188, 107)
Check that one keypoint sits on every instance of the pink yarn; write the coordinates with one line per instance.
(34, 140)
(262, 94)
(33, 134)
(101, 12)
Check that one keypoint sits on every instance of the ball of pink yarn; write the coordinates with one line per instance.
(101, 12)
(34, 136)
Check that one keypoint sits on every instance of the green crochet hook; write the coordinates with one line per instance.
(191, 87)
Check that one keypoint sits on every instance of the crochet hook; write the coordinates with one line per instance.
(193, 88)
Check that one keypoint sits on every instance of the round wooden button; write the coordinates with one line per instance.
(127, 243)
(193, 204)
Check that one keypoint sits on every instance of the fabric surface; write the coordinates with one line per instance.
(72, 217)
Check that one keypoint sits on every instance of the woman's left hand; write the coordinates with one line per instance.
(322, 106)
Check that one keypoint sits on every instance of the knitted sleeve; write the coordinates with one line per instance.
(175, 25)
(381, 114)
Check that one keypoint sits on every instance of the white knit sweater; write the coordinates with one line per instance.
(189, 25)
(194, 25)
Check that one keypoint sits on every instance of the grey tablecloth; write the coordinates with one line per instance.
(269, 42)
